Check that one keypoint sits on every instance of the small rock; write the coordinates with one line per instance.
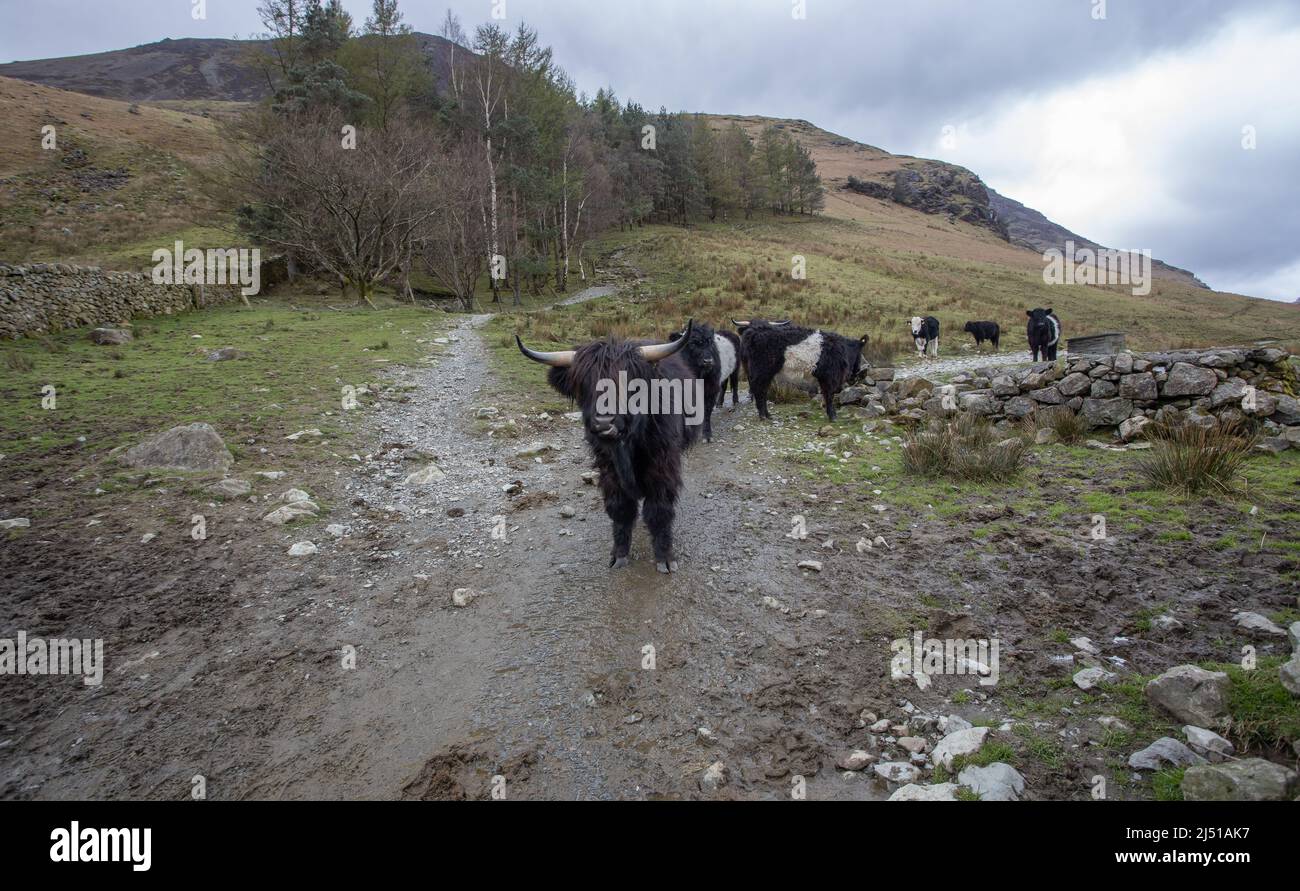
(15, 523)
(425, 476)
(1208, 743)
(568, 512)
(110, 336)
(997, 782)
(335, 530)
(302, 549)
(1191, 694)
(897, 771)
(1165, 750)
(814, 565)
(1250, 779)
(936, 792)
(714, 777)
(1255, 622)
(855, 760)
(463, 596)
(1091, 677)
(230, 488)
(956, 744)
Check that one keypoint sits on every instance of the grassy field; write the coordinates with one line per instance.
(294, 358)
(854, 285)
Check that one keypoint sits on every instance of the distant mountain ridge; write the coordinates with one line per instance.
(189, 68)
(227, 70)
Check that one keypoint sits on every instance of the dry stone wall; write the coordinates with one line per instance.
(1124, 391)
(41, 298)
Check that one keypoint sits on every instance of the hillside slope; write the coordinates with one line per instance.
(860, 177)
(120, 181)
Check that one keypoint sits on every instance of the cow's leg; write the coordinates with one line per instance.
(735, 388)
(621, 508)
(758, 389)
(935, 354)
(828, 397)
(661, 486)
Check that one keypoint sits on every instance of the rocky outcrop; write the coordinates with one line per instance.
(1125, 391)
(934, 187)
(41, 298)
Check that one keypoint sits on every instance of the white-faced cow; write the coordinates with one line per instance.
(638, 453)
(983, 331)
(799, 356)
(925, 334)
(1044, 332)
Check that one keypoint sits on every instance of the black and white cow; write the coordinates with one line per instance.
(728, 345)
(713, 357)
(925, 334)
(1044, 332)
(799, 356)
(638, 454)
(984, 331)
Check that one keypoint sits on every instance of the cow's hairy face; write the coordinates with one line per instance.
(970, 326)
(581, 382)
(916, 326)
(859, 366)
(1039, 322)
(699, 351)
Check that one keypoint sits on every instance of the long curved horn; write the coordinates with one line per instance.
(559, 359)
(740, 323)
(658, 351)
(780, 324)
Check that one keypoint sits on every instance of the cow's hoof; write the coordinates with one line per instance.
(670, 566)
(617, 562)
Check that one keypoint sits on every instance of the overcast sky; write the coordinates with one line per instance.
(1127, 129)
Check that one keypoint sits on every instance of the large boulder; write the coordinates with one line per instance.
(1229, 392)
(1189, 380)
(1139, 386)
(1287, 411)
(1191, 694)
(1250, 779)
(191, 447)
(1074, 384)
(1106, 412)
(110, 336)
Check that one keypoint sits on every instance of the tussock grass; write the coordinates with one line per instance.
(1069, 426)
(1190, 459)
(964, 448)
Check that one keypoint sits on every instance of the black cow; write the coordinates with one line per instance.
(925, 334)
(638, 453)
(1044, 331)
(801, 357)
(984, 331)
(704, 357)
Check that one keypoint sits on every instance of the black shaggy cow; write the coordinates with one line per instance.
(801, 357)
(984, 331)
(638, 453)
(925, 334)
(712, 355)
(1044, 331)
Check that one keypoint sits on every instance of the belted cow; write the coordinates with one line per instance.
(802, 357)
(1044, 332)
(636, 444)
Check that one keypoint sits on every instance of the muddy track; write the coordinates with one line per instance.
(565, 678)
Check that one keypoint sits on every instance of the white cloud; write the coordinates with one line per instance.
(1151, 156)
